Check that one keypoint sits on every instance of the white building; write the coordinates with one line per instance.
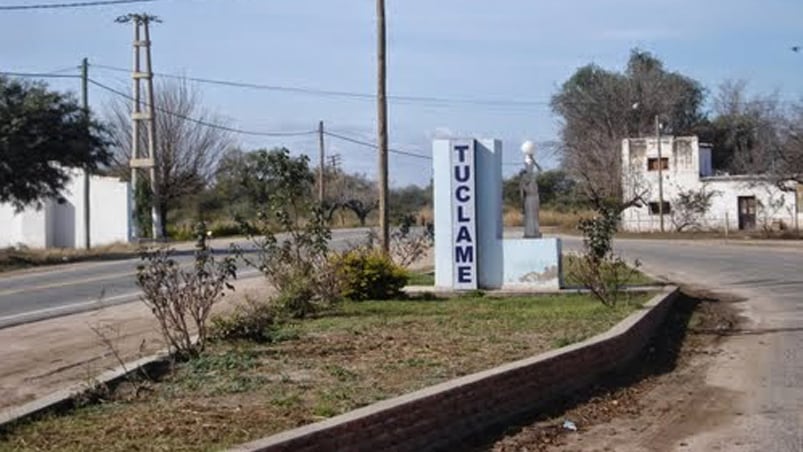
(60, 223)
(736, 202)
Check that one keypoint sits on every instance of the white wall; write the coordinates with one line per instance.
(109, 211)
(687, 162)
(28, 227)
(61, 223)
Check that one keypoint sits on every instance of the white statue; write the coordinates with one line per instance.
(529, 191)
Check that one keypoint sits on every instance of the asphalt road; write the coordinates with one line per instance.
(766, 366)
(766, 369)
(68, 289)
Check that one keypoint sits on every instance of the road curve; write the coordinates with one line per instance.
(764, 362)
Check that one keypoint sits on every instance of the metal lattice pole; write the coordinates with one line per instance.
(146, 118)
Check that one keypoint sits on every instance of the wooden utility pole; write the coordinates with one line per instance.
(85, 107)
(322, 163)
(660, 173)
(148, 117)
(382, 125)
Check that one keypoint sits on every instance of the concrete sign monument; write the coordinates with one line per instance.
(470, 252)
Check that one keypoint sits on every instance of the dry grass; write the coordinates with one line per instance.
(16, 259)
(319, 368)
(563, 221)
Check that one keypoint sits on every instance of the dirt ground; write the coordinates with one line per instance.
(653, 406)
(43, 357)
(40, 358)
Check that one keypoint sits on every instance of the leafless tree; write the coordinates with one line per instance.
(758, 135)
(187, 152)
(598, 108)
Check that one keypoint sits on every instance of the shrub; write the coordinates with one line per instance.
(253, 321)
(296, 263)
(368, 274)
(601, 271)
(182, 300)
(225, 229)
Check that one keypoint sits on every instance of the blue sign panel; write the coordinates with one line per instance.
(464, 225)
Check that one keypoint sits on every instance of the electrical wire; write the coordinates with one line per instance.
(206, 123)
(436, 101)
(70, 5)
(38, 75)
(374, 146)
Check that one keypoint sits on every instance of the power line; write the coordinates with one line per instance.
(437, 101)
(206, 123)
(38, 75)
(71, 5)
(374, 146)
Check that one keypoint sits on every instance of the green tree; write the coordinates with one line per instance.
(599, 108)
(43, 133)
(555, 189)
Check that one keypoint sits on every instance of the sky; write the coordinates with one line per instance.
(498, 61)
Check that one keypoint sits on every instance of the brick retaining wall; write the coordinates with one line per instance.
(445, 415)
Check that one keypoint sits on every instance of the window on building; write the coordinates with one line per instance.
(652, 164)
(654, 208)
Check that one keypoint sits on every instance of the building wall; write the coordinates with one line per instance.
(690, 169)
(28, 227)
(60, 223)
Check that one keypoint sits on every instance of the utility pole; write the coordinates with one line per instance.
(85, 107)
(138, 117)
(322, 163)
(382, 125)
(660, 173)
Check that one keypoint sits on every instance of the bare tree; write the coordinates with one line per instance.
(187, 152)
(758, 135)
(598, 108)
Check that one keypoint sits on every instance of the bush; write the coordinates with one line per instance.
(180, 232)
(368, 274)
(182, 300)
(225, 229)
(295, 263)
(253, 321)
(601, 271)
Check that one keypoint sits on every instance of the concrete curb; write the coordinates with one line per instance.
(448, 414)
(65, 397)
(338, 433)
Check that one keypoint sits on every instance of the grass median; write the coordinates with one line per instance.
(318, 368)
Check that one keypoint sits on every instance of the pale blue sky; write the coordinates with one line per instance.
(517, 50)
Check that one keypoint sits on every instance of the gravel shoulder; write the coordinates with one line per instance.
(42, 357)
(657, 405)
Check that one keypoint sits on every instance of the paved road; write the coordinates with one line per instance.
(75, 288)
(765, 362)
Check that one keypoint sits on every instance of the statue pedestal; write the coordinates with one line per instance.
(531, 263)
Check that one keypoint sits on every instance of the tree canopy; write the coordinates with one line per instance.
(599, 108)
(43, 133)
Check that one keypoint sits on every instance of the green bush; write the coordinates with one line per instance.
(225, 229)
(181, 232)
(253, 321)
(367, 274)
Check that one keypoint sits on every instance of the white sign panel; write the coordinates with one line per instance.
(464, 225)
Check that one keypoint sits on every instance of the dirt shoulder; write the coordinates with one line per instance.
(654, 406)
(42, 357)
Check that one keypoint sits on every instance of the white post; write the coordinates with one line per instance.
(727, 225)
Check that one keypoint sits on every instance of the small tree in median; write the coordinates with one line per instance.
(182, 300)
(291, 237)
(598, 269)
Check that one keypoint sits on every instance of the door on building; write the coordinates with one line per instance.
(747, 213)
